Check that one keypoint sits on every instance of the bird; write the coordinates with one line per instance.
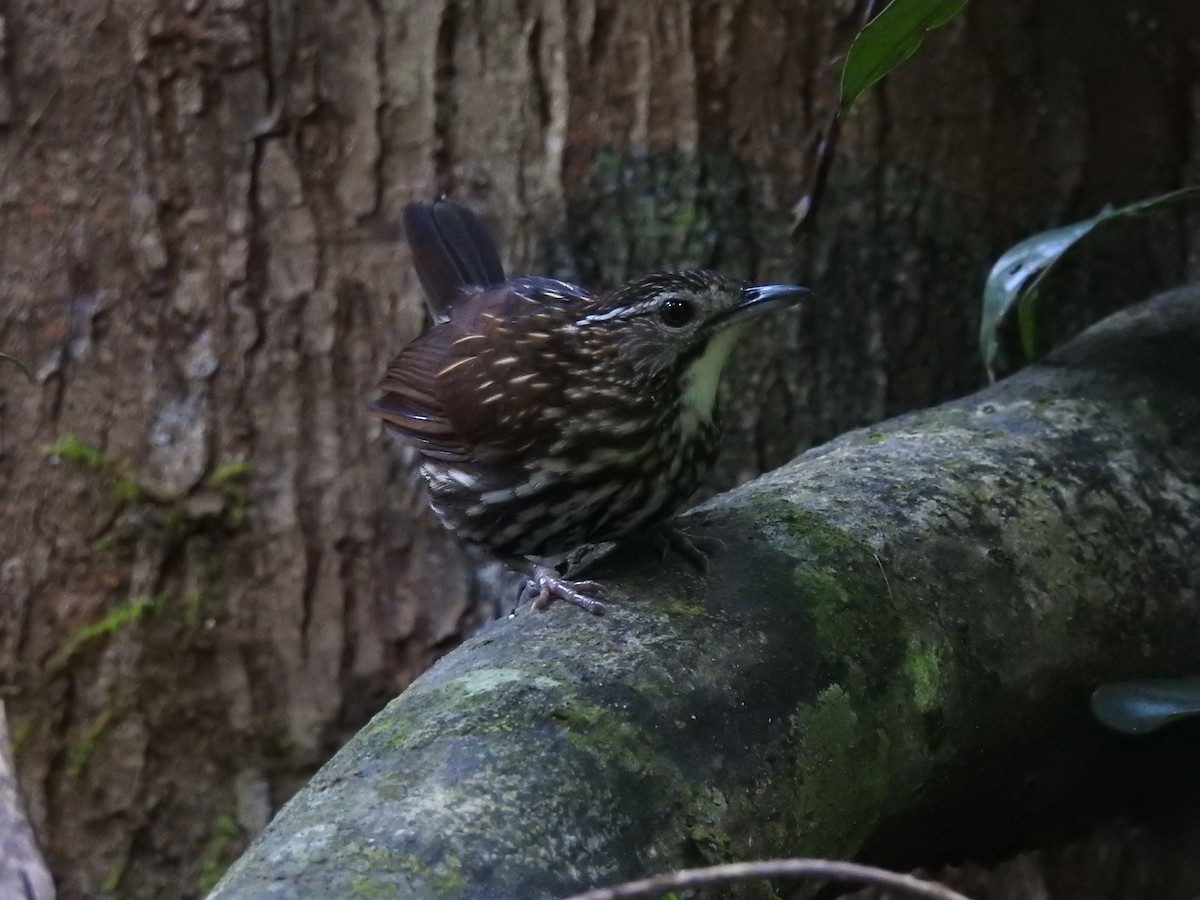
(549, 417)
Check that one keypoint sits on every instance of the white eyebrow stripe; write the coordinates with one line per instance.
(602, 317)
(620, 312)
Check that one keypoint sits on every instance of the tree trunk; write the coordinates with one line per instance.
(907, 625)
(214, 567)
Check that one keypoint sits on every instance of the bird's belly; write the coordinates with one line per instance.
(546, 506)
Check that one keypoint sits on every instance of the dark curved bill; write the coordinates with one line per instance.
(766, 298)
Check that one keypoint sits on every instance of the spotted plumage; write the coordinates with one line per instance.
(547, 416)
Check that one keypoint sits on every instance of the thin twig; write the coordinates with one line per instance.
(4, 357)
(688, 879)
(804, 213)
(887, 584)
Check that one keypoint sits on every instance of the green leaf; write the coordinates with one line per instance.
(889, 39)
(1013, 284)
(4, 357)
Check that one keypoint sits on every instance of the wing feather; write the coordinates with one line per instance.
(408, 403)
(450, 393)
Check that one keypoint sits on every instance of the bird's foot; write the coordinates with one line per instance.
(544, 585)
(695, 548)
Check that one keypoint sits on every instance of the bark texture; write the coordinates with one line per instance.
(213, 568)
(908, 620)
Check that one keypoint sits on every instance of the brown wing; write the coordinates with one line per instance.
(409, 404)
(486, 386)
(452, 393)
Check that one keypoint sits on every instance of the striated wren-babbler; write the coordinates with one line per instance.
(549, 417)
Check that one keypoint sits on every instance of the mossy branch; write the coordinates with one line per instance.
(908, 620)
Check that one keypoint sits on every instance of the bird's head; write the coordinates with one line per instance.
(679, 324)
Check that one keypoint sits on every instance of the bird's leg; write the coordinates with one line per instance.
(695, 548)
(543, 585)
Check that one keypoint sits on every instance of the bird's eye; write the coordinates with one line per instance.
(676, 313)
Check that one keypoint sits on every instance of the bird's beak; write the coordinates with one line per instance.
(766, 298)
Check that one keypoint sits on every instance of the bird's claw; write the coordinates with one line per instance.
(545, 585)
(695, 548)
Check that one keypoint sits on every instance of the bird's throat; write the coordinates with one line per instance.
(701, 378)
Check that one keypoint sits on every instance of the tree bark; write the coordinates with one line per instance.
(213, 567)
(907, 619)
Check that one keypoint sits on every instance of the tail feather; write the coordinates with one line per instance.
(452, 251)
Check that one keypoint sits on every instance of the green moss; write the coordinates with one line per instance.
(610, 737)
(439, 706)
(850, 757)
(230, 481)
(829, 604)
(115, 875)
(677, 606)
(575, 731)
(128, 613)
(19, 732)
(220, 850)
(389, 734)
(173, 514)
(363, 887)
(487, 680)
(923, 668)
(231, 474)
(126, 490)
(877, 437)
(393, 875)
(847, 594)
(822, 540)
(448, 876)
(82, 752)
(843, 774)
(707, 833)
(70, 448)
(1142, 407)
